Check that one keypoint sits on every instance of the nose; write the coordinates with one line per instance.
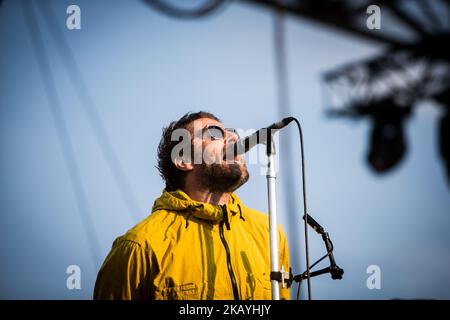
(231, 137)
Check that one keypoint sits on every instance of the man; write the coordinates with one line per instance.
(201, 241)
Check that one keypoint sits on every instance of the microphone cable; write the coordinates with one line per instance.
(305, 210)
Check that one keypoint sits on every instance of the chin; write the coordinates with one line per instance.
(223, 177)
(242, 176)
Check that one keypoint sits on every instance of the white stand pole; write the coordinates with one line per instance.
(271, 190)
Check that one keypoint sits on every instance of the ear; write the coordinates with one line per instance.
(182, 164)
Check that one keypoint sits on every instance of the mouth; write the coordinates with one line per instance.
(232, 158)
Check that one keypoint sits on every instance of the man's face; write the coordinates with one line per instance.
(214, 172)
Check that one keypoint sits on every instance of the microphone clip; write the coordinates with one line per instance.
(284, 277)
(334, 270)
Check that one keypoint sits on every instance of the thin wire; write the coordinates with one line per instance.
(172, 11)
(318, 261)
(63, 134)
(92, 112)
(305, 210)
(326, 255)
(312, 266)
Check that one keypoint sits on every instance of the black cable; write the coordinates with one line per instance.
(326, 255)
(63, 134)
(91, 110)
(298, 291)
(172, 11)
(318, 261)
(312, 266)
(305, 210)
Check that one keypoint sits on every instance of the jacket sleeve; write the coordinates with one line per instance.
(284, 261)
(125, 273)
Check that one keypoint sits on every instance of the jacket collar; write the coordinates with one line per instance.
(179, 201)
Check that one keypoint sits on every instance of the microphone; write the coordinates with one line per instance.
(280, 124)
(314, 224)
(245, 144)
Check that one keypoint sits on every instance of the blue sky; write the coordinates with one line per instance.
(144, 70)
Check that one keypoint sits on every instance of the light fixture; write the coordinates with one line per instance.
(444, 130)
(387, 138)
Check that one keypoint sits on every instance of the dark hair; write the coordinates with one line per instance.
(173, 176)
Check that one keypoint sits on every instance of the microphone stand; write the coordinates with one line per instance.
(271, 192)
(276, 275)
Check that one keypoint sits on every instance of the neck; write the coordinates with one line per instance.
(208, 196)
(198, 194)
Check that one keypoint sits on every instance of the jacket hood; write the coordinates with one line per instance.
(179, 201)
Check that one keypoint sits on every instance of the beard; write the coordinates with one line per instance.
(222, 177)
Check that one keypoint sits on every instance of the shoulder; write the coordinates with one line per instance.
(255, 216)
(259, 219)
(153, 230)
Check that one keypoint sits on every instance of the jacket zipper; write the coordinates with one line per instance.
(227, 250)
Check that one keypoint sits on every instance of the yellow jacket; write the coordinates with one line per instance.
(193, 250)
